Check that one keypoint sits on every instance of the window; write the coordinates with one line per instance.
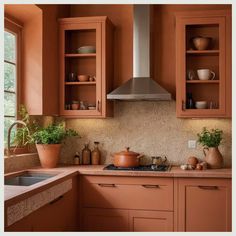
(11, 74)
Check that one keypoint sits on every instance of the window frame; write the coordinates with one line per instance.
(15, 28)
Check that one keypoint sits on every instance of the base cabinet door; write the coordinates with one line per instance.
(150, 221)
(104, 220)
(61, 214)
(204, 205)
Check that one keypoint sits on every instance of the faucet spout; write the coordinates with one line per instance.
(9, 134)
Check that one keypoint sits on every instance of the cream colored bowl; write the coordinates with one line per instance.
(201, 104)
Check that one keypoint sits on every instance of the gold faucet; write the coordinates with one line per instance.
(9, 134)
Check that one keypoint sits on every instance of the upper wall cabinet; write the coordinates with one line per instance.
(86, 68)
(203, 64)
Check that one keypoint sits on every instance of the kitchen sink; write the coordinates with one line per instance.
(27, 178)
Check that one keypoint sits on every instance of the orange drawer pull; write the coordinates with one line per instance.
(208, 187)
(107, 185)
(150, 186)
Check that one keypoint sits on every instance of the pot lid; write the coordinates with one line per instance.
(127, 152)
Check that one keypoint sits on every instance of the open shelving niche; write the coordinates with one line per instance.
(203, 90)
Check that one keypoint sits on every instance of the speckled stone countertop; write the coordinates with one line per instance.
(12, 193)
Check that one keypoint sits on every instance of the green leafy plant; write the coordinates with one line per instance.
(22, 135)
(210, 138)
(52, 134)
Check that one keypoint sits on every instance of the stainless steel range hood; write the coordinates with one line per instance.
(141, 86)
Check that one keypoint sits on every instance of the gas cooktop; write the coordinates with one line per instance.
(140, 168)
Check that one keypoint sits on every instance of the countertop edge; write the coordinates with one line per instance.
(72, 170)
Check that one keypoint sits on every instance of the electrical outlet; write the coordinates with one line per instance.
(192, 144)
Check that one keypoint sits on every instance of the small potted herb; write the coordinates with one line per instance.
(211, 139)
(48, 143)
(21, 138)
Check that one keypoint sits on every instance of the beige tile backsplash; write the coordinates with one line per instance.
(146, 127)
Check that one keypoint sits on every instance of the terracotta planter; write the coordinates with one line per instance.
(48, 154)
(213, 157)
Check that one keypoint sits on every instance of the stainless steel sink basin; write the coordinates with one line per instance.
(27, 178)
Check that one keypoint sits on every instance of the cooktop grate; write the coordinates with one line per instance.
(139, 168)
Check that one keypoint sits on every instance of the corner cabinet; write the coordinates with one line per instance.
(86, 67)
(216, 92)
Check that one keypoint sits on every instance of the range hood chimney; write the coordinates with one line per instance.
(141, 86)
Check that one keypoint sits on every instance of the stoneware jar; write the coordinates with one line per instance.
(213, 157)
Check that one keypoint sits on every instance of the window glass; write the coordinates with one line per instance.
(10, 82)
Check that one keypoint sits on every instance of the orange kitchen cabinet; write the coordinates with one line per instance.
(77, 32)
(204, 204)
(150, 221)
(59, 215)
(99, 219)
(146, 203)
(217, 58)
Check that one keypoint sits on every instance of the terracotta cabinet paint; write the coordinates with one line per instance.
(138, 204)
(148, 203)
(217, 25)
(76, 32)
(59, 215)
(123, 193)
(97, 219)
(204, 205)
(150, 221)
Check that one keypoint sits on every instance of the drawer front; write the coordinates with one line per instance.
(105, 220)
(150, 221)
(141, 193)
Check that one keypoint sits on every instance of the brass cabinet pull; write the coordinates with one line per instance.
(208, 187)
(107, 185)
(56, 200)
(150, 186)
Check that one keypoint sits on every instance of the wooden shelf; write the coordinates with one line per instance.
(80, 55)
(80, 83)
(202, 81)
(202, 52)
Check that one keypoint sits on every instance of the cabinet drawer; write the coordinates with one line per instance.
(105, 220)
(128, 193)
(150, 221)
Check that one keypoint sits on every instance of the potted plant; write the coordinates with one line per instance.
(21, 138)
(48, 143)
(211, 139)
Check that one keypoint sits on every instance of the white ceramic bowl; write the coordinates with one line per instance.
(201, 104)
(86, 49)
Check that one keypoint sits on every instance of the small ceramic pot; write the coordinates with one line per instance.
(213, 157)
(201, 43)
